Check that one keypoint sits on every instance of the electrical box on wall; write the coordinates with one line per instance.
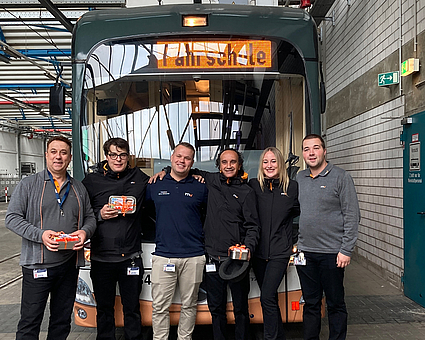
(27, 168)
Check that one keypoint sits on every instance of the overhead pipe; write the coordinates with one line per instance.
(10, 124)
(46, 53)
(415, 28)
(35, 102)
(400, 45)
(19, 154)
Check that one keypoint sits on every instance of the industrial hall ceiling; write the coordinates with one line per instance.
(35, 54)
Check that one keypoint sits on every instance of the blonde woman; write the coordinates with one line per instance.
(277, 203)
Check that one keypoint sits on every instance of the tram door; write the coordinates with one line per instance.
(414, 208)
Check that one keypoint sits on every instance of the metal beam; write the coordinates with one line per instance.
(57, 14)
(4, 58)
(262, 101)
(27, 86)
(15, 53)
(319, 10)
(2, 37)
(37, 130)
(38, 109)
(27, 16)
(21, 103)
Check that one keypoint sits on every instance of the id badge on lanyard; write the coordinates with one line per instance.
(65, 196)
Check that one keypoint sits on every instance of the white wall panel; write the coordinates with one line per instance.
(8, 154)
(31, 151)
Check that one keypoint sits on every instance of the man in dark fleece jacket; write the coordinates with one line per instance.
(116, 244)
(231, 219)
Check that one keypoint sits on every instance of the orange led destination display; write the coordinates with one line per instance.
(232, 54)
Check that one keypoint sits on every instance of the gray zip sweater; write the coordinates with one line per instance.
(25, 216)
(330, 212)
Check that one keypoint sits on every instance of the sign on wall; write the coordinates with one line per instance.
(415, 156)
(389, 78)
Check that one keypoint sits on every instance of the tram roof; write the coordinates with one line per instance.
(293, 25)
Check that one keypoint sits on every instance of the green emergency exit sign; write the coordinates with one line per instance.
(389, 78)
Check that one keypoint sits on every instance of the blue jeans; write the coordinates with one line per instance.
(61, 284)
(105, 276)
(320, 274)
(217, 301)
(269, 275)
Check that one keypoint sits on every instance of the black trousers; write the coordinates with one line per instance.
(269, 275)
(217, 301)
(320, 274)
(61, 284)
(105, 276)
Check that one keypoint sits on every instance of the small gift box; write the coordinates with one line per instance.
(238, 252)
(124, 204)
(66, 241)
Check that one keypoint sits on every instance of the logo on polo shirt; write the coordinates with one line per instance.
(188, 194)
(163, 193)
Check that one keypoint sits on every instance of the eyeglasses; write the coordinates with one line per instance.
(114, 156)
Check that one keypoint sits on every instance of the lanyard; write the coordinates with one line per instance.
(64, 197)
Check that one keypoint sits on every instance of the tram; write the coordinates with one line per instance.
(215, 76)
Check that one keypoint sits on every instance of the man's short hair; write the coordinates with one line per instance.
(60, 139)
(240, 160)
(314, 136)
(118, 142)
(186, 145)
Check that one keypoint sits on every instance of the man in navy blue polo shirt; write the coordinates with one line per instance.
(179, 254)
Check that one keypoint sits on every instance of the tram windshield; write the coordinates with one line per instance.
(211, 93)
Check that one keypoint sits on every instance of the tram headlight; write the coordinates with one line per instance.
(84, 294)
(195, 20)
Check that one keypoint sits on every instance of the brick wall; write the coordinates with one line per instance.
(368, 146)
(362, 124)
(364, 34)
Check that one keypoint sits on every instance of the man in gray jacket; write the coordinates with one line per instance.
(328, 232)
(44, 207)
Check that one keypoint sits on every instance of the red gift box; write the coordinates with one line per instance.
(66, 241)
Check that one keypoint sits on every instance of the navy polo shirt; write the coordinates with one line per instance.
(178, 204)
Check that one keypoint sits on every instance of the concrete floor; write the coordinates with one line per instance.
(376, 309)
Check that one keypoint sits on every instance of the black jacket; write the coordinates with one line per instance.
(231, 214)
(116, 239)
(276, 211)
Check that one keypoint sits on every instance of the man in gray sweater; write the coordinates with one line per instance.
(42, 208)
(328, 232)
